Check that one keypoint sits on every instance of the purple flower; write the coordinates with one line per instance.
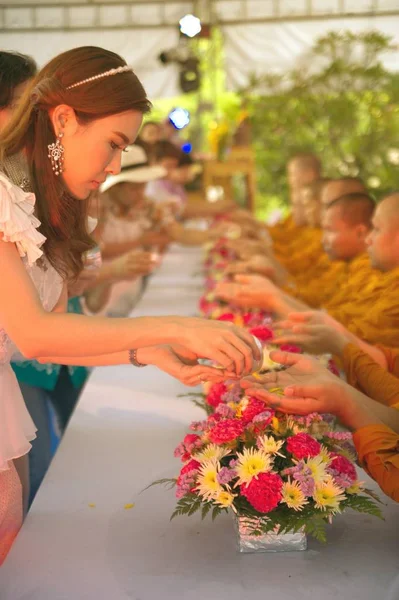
(225, 475)
(225, 411)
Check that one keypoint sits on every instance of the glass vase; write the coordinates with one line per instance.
(273, 541)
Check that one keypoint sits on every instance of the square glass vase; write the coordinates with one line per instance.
(273, 541)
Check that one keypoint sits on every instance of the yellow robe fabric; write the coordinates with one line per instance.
(378, 451)
(304, 252)
(281, 230)
(363, 373)
(372, 311)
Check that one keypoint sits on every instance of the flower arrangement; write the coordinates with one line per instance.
(279, 472)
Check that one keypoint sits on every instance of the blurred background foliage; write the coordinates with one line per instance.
(338, 102)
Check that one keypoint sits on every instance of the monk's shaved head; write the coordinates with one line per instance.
(302, 169)
(346, 226)
(356, 208)
(389, 209)
(336, 188)
(383, 241)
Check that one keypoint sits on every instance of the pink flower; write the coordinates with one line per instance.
(342, 466)
(186, 481)
(190, 443)
(303, 445)
(227, 317)
(291, 348)
(247, 318)
(255, 407)
(214, 397)
(333, 367)
(262, 332)
(263, 492)
(226, 431)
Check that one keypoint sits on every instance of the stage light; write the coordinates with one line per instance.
(179, 117)
(190, 25)
(187, 148)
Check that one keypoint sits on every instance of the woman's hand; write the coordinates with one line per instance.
(231, 347)
(180, 363)
(133, 264)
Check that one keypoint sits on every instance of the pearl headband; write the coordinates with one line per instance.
(101, 75)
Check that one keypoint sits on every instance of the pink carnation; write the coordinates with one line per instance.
(263, 492)
(192, 441)
(192, 465)
(262, 332)
(255, 407)
(303, 445)
(214, 397)
(227, 317)
(226, 431)
(342, 466)
(291, 348)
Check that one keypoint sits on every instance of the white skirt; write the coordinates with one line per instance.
(17, 429)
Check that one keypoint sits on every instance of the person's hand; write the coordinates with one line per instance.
(154, 238)
(86, 278)
(231, 347)
(304, 387)
(133, 264)
(249, 291)
(180, 363)
(307, 387)
(313, 331)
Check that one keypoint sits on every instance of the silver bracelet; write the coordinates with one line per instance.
(133, 358)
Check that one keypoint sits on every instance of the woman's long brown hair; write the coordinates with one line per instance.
(64, 218)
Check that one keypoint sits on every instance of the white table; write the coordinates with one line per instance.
(120, 439)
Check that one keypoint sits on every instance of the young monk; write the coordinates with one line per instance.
(346, 224)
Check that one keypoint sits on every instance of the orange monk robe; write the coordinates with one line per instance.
(374, 314)
(302, 258)
(363, 373)
(377, 447)
(281, 230)
(339, 282)
(319, 283)
(297, 243)
(360, 277)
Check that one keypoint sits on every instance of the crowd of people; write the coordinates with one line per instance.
(90, 198)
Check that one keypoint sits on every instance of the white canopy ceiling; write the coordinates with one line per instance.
(261, 35)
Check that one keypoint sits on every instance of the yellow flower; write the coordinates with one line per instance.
(325, 455)
(328, 495)
(250, 463)
(275, 424)
(293, 495)
(270, 445)
(207, 483)
(318, 469)
(355, 488)
(211, 452)
(225, 499)
(242, 405)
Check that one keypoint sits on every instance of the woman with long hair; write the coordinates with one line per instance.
(68, 133)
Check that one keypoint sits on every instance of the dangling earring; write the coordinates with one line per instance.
(56, 155)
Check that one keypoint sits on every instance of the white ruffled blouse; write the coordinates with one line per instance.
(18, 225)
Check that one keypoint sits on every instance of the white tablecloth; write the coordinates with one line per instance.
(120, 439)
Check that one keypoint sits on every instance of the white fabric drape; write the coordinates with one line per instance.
(139, 47)
(263, 48)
